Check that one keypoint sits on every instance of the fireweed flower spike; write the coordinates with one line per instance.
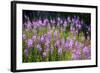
(78, 45)
(66, 44)
(42, 39)
(87, 52)
(65, 24)
(55, 34)
(72, 29)
(39, 47)
(69, 19)
(78, 52)
(47, 46)
(71, 43)
(29, 43)
(49, 35)
(40, 22)
(34, 38)
(76, 55)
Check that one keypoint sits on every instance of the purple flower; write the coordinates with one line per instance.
(39, 47)
(72, 29)
(30, 43)
(66, 44)
(49, 35)
(71, 43)
(34, 38)
(40, 22)
(77, 21)
(45, 22)
(73, 20)
(86, 50)
(75, 56)
(59, 51)
(47, 41)
(47, 47)
(78, 52)
(42, 39)
(28, 26)
(55, 34)
(52, 21)
(61, 21)
(68, 19)
(26, 52)
(65, 23)
(88, 56)
(79, 26)
(78, 45)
